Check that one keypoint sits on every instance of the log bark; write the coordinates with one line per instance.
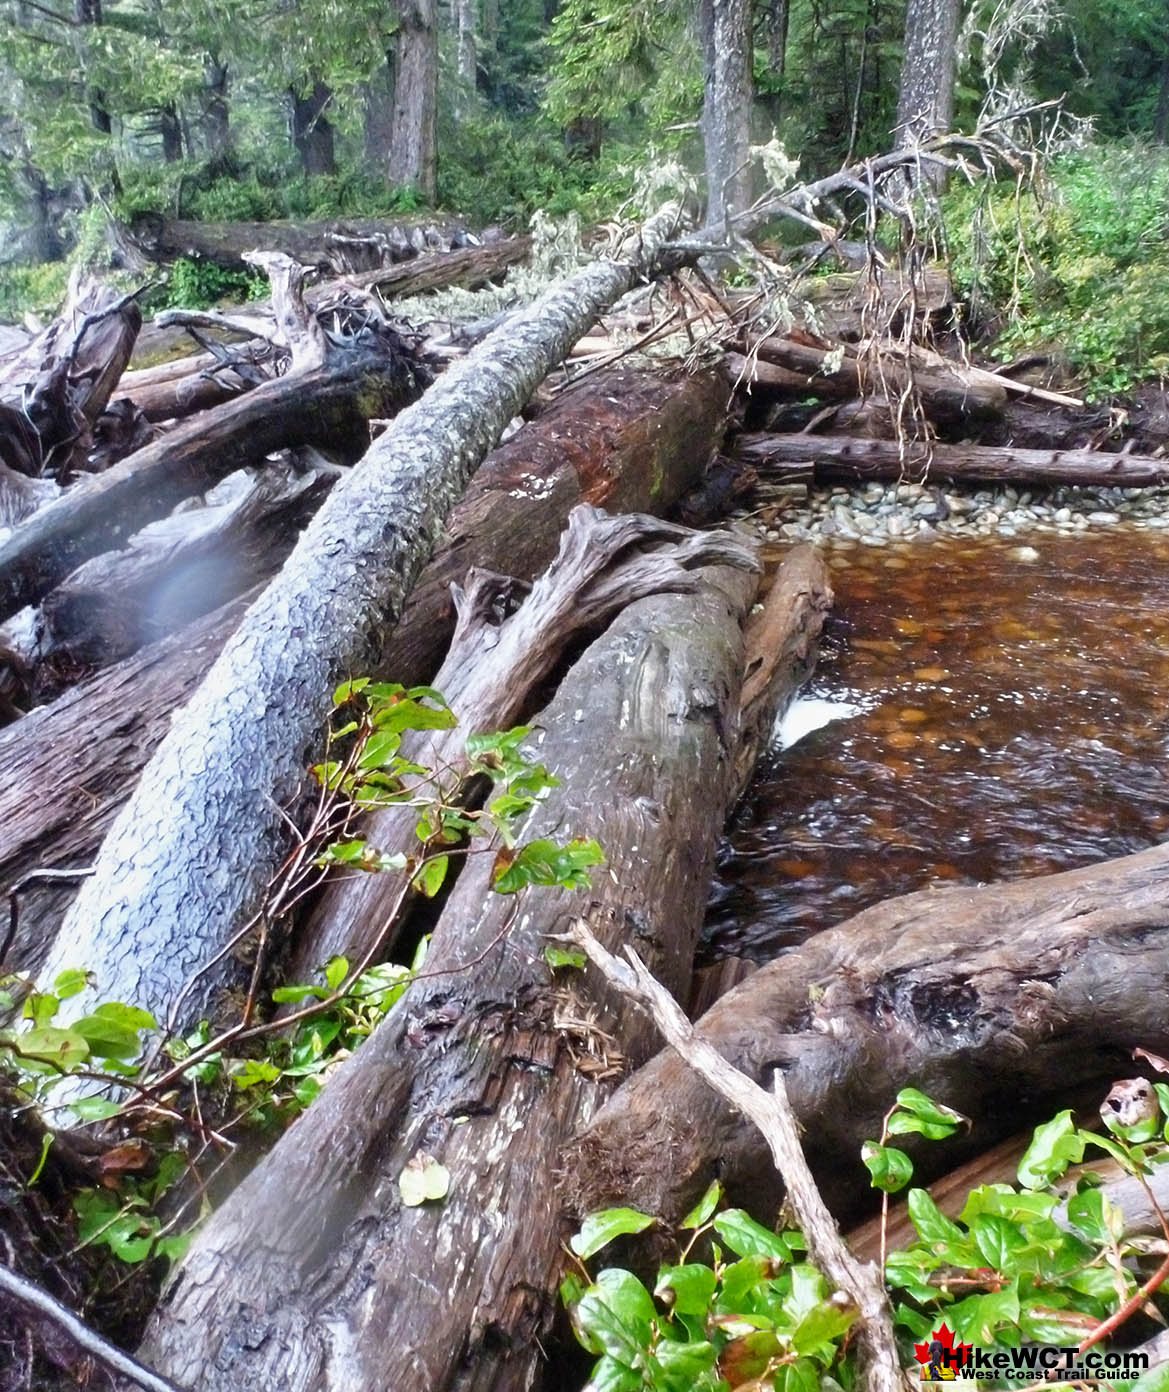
(837, 458)
(947, 393)
(632, 442)
(342, 246)
(490, 679)
(327, 407)
(178, 569)
(995, 1000)
(158, 911)
(459, 1294)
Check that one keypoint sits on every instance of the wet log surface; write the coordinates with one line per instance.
(329, 406)
(840, 458)
(424, 1297)
(989, 999)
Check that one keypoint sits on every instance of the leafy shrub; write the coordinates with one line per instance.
(195, 284)
(1082, 264)
(1003, 1274)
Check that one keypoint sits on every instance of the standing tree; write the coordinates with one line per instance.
(926, 102)
(726, 110)
(312, 131)
(413, 153)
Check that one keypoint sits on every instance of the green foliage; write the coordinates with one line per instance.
(1002, 1273)
(38, 290)
(201, 284)
(1081, 267)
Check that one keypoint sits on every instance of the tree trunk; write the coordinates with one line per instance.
(312, 131)
(216, 110)
(328, 407)
(777, 17)
(172, 134)
(841, 458)
(465, 65)
(413, 153)
(726, 108)
(377, 116)
(925, 104)
(630, 443)
(351, 918)
(422, 1297)
(994, 1000)
(158, 910)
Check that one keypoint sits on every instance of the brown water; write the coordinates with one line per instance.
(1016, 722)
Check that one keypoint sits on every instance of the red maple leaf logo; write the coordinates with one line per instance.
(942, 1353)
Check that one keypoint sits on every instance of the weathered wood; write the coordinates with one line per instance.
(71, 765)
(836, 458)
(329, 406)
(994, 1000)
(946, 391)
(431, 1297)
(632, 442)
(342, 245)
(158, 910)
(179, 568)
(489, 679)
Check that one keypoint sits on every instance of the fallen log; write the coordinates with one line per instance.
(53, 390)
(995, 1000)
(329, 406)
(632, 442)
(947, 392)
(179, 568)
(340, 246)
(158, 911)
(840, 458)
(575, 596)
(487, 1069)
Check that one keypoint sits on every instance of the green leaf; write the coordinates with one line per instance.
(1154, 1380)
(998, 1239)
(687, 1289)
(70, 982)
(129, 1016)
(423, 1180)
(1055, 1145)
(379, 750)
(293, 995)
(557, 957)
(705, 1206)
(107, 1037)
(890, 1168)
(685, 1366)
(599, 1229)
(336, 970)
(611, 1376)
(430, 878)
(1099, 1221)
(930, 1222)
(978, 1318)
(347, 690)
(744, 1235)
(40, 1007)
(543, 862)
(824, 1323)
(919, 1105)
(64, 1048)
(94, 1108)
(617, 1314)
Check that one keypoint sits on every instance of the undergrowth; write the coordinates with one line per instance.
(1077, 265)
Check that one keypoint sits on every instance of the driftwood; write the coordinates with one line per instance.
(341, 246)
(630, 442)
(179, 568)
(159, 910)
(838, 458)
(54, 389)
(461, 1293)
(329, 406)
(489, 678)
(946, 390)
(989, 999)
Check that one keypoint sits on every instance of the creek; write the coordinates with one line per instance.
(1001, 712)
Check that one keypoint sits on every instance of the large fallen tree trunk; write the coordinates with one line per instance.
(842, 458)
(159, 910)
(994, 1000)
(630, 442)
(343, 245)
(490, 1061)
(329, 406)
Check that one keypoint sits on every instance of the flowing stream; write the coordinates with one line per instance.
(981, 711)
